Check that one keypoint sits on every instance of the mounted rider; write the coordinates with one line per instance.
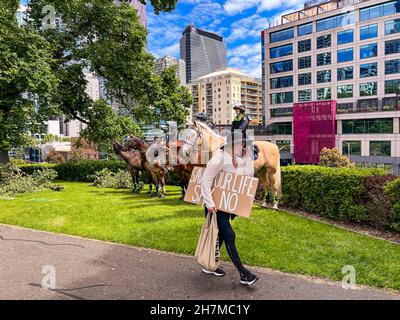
(242, 122)
(202, 117)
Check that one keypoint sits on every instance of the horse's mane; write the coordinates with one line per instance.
(209, 130)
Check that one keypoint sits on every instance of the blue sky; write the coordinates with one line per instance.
(239, 21)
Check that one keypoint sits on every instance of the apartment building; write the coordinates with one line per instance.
(215, 94)
(168, 61)
(331, 77)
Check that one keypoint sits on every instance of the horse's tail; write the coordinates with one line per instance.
(278, 180)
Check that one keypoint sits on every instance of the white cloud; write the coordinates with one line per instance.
(233, 7)
(247, 58)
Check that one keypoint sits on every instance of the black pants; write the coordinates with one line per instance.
(227, 235)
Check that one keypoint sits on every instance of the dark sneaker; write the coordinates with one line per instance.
(218, 272)
(248, 279)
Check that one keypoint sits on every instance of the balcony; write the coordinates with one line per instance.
(312, 9)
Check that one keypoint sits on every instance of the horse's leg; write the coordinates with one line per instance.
(274, 189)
(133, 176)
(162, 183)
(262, 175)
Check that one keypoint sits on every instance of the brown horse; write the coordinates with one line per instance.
(151, 162)
(134, 162)
(266, 167)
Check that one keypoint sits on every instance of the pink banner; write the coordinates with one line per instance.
(314, 127)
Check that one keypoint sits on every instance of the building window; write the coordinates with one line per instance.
(280, 128)
(392, 26)
(281, 66)
(344, 107)
(336, 21)
(304, 79)
(392, 66)
(379, 10)
(367, 126)
(368, 70)
(368, 32)
(281, 112)
(368, 89)
(346, 36)
(367, 105)
(345, 91)
(304, 45)
(304, 29)
(282, 35)
(389, 104)
(345, 55)
(304, 62)
(345, 73)
(392, 86)
(281, 51)
(324, 76)
(282, 82)
(324, 41)
(351, 148)
(281, 97)
(392, 46)
(305, 95)
(369, 51)
(324, 59)
(324, 94)
(283, 146)
(380, 148)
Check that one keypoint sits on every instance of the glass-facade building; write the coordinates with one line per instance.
(346, 52)
(203, 52)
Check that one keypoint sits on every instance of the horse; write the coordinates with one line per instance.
(266, 166)
(151, 163)
(133, 160)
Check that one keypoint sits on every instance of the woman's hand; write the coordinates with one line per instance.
(212, 210)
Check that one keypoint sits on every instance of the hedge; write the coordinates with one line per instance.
(81, 170)
(84, 170)
(334, 192)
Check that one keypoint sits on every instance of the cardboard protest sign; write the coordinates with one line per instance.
(231, 192)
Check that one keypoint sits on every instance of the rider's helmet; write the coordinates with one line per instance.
(201, 116)
(239, 106)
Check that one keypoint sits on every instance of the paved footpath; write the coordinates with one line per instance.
(89, 269)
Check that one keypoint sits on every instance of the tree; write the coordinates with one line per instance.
(106, 126)
(333, 158)
(26, 80)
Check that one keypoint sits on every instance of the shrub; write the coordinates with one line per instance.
(333, 158)
(13, 181)
(326, 191)
(108, 179)
(376, 202)
(82, 170)
(392, 189)
(55, 157)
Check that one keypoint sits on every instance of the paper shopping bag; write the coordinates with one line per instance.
(207, 252)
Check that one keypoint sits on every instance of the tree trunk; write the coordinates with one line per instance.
(4, 158)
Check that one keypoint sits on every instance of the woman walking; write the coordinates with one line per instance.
(232, 158)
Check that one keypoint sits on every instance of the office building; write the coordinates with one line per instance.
(215, 94)
(168, 61)
(331, 77)
(203, 52)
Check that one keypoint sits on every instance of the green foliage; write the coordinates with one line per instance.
(117, 180)
(55, 157)
(392, 189)
(326, 191)
(82, 170)
(13, 181)
(26, 80)
(107, 126)
(333, 158)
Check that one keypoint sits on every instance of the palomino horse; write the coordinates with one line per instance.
(266, 167)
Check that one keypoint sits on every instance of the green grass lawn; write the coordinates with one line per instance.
(277, 240)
